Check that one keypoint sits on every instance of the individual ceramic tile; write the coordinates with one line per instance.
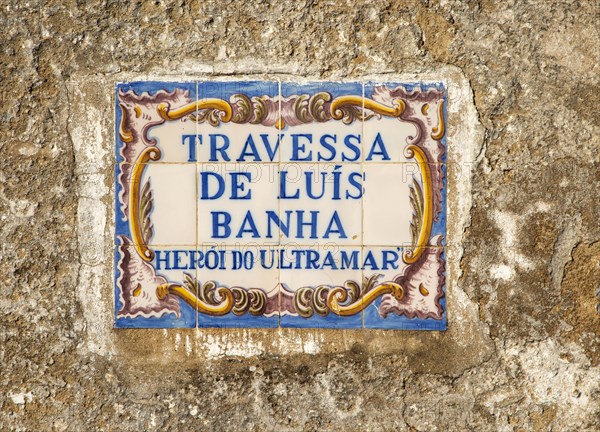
(238, 286)
(156, 291)
(158, 115)
(320, 203)
(237, 203)
(237, 121)
(156, 203)
(320, 286)
(321, 122)
(399, 209)
(404, 291)
(399, 116)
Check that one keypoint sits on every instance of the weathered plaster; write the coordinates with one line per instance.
(521, 352)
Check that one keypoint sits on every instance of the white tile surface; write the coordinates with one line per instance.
(387, 211)
(174, 203)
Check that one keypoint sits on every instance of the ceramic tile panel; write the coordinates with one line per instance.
(404, 206)
(439, 176)
(158, 204)
(320, 203)
(155, 204)
(266, 204)
(155, 183)
(399, 200)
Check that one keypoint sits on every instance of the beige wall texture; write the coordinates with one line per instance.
(522, 350)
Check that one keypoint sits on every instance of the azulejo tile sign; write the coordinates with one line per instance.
(280, 204)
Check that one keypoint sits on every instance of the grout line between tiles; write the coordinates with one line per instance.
(286, 245)
(283, 162)
(279, 119)
(362, 202)
(196, 145)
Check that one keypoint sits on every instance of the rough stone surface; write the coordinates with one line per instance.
(523, 348)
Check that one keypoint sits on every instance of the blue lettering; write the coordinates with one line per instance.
(297, 147)
(252, 152)
(335, 220)
(274, 217)
(329, 261)
(352, 146)
(282, 260)
(237, 260)
(204, 193)
(312, 224)
(220, 224)
(370, 261)
(325, 143)
(310, 183)
(382, 152)
(239, 185)
(312, 257)
(222, 149)
(349, 261)
(357, 184)
(191, 142)
(160, 260)
(263, 259)
(282, 188)
(251, 228)
(389, 262)
(271, 151)
(177, 259)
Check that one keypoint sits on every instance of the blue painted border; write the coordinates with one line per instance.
(439, 225)
(335, 88)
(331, 321)
(225, 89)
(233, 321)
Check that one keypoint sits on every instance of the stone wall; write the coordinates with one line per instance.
(522, 347)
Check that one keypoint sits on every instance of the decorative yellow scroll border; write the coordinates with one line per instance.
(166, 113)
(338, 295)
(222, 308)
(135, 224)
(411, 256)
(338, 103)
